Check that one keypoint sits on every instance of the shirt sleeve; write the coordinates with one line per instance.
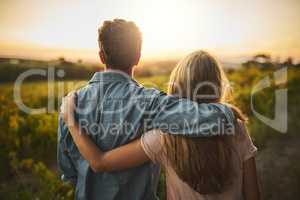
(184, 117)
(65, 165)
(151, 144)
(246, 147)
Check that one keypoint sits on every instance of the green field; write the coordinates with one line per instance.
(28, 142)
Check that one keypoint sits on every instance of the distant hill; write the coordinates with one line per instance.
(11, 68)
(264, 61)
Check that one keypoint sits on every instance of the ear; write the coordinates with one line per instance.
(136, 62)
(101, 55)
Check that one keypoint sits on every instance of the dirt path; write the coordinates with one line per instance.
(279, 169)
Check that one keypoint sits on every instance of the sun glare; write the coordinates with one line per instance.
(163, 23)
(169, 27)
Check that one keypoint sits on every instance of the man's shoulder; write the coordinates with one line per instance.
(87, 92)
(149, 91)
(127, 90)
(144, 94)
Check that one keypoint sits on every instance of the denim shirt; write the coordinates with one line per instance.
(114, 110)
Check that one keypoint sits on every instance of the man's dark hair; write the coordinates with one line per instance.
(120, 42)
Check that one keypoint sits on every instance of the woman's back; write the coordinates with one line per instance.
(242, 147)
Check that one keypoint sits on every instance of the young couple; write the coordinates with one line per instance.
(115, 135)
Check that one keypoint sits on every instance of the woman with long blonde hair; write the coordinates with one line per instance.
(218, 167)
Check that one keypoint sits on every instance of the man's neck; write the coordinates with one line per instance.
(128, 71)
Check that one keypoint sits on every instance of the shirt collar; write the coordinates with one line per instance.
(111, 76)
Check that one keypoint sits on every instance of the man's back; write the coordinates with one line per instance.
(114, 110)
(107, 110)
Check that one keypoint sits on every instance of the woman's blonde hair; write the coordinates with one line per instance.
(203, 163)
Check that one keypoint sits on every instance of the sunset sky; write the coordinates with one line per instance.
(171, 28)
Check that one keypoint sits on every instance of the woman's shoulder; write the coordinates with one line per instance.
(241, 128)
(152, 136)
(151, 142)
(241, 132)
(244, 141)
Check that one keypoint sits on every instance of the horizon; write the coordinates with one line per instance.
(232, 30)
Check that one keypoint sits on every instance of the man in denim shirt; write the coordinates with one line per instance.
(114, 110)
